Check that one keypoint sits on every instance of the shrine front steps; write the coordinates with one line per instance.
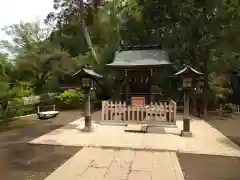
(145, 128)
(140, 128)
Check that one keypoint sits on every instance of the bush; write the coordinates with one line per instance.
(28, 109)
(12, 102)
(25, 89)
(11, 110)
(9, 101)
(70, 99)
(228, 107)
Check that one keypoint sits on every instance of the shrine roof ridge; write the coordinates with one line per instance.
(138, 47)
(186, 69)
(89, 72)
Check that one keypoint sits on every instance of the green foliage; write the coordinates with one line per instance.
(6, 67)
(37, 59)
(25, 89)
(70, 99)
(228, 107)
(203, 34)
(10, 102)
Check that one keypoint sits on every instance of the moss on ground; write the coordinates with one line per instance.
(16, 123)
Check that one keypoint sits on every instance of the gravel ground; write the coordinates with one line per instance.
(22, 161)
(229, 127)
(209, 167)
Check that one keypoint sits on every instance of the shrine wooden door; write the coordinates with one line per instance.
(139, 83)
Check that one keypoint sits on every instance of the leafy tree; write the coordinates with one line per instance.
(36, 58)
(192, 31)
(203, 34)
(25, 37)
(75, 16)
(103, 30)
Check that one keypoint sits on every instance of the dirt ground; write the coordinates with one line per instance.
(22, 161)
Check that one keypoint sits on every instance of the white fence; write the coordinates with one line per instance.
(160, 112)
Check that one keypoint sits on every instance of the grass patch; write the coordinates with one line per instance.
(16, 123)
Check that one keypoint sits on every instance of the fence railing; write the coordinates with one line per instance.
(163, 112)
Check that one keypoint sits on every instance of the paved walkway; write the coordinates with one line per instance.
(205, 140)
(106, 164)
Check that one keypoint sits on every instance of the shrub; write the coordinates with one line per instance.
(70, 99)
(228, 107)
(10, 102)
(25, 89)
(15, 108)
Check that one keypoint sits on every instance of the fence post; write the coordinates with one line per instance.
(38, 109)
(170, 111)
(103, 110)
(174, 111)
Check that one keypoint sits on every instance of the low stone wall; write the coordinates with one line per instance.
(31, 100)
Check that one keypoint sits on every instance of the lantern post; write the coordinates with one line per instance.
(188, 77)
(88, 83)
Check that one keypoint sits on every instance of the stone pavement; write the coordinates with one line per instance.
(205, 140)
(106, 164)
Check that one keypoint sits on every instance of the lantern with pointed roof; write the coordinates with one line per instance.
(88, 77)
(189, 77)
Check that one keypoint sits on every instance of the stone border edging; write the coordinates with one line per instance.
(154, 150)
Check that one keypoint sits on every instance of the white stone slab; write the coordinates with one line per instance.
(136, 128)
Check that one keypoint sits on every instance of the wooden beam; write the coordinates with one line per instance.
(151, 83)
(126, 87)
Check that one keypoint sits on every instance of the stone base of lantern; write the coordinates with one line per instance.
(88, 129)
(186, 128)
(186, 133)
(88, 125)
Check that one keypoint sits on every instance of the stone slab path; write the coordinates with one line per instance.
(205, 140)
(109, 164)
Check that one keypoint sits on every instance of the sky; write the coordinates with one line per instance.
(14, 11)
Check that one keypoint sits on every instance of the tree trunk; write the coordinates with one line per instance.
(194, 110)
(85, 31)
(193, 61)
(205, 85)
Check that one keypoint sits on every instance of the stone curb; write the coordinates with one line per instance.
(25, 116)
(152, 150)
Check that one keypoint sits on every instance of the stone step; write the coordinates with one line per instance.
(136, 128)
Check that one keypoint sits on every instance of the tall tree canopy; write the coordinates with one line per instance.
(203, 34)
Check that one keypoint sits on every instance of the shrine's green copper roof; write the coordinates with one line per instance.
(130, 58)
